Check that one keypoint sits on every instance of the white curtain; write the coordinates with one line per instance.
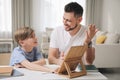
(20, 15)
(13, 14)
(51, 12)
(90, 11)
(5, 24)
(5, 19)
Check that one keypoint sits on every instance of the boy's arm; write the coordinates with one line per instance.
(40, 62)
(36, 67)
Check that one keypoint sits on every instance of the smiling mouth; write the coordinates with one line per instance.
(36, 42)
(66, 26)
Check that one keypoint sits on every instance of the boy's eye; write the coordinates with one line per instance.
(32, 36)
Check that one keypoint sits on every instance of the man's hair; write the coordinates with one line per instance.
(74, 7)
(23, 33)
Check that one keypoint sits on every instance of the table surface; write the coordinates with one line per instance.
(35, 75)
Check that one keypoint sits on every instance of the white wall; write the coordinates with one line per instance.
(108, 15)
(35, 18)
(35, 14)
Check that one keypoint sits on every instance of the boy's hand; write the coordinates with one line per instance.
(55, 70)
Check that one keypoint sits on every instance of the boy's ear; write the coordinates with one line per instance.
(21, 42)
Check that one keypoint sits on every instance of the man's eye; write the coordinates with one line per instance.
(69, 21)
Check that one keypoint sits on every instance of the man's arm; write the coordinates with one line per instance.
(53, 56)
(89, 56)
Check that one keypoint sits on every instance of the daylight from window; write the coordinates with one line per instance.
(52, 12)
(5, 16)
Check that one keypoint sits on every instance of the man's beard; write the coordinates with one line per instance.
(70, 29)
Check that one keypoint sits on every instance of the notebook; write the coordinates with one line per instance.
(89, 68)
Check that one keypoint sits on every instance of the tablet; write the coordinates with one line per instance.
(72, 59)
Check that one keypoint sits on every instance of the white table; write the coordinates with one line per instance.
(37, 75)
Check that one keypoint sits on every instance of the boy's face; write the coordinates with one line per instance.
(30, 42)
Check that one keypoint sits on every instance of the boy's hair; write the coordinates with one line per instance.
(74, 7)
(23, 33)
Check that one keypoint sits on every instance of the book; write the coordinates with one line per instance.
(6, 70)
(89, 68)
(15, 73)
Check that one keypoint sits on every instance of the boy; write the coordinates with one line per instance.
(26, 54)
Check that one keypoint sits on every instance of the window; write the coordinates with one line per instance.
(49, 13)
(56, 10)
(5, 18)
(5, 24)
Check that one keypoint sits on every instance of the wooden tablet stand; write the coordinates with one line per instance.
(71, 61)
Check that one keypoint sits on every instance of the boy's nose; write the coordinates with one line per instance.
(35, 38)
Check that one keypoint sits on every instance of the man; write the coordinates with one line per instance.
(71, 34)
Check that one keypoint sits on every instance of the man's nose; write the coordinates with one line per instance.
(65, 21)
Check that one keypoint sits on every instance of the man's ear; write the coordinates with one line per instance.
(79, 19)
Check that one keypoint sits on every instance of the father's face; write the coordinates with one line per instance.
(70, 21)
